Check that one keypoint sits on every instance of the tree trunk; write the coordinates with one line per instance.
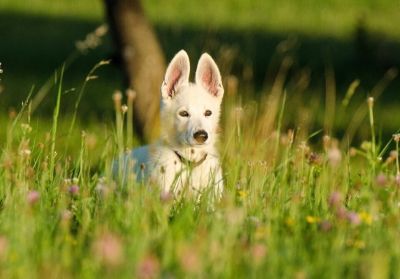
(142, 61)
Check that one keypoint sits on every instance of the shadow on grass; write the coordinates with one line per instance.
(32, 47)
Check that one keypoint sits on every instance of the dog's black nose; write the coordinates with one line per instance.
(200, 136)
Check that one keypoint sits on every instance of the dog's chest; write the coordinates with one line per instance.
(175, 174)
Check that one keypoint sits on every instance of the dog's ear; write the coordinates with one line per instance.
(177, 74)
(208, 76)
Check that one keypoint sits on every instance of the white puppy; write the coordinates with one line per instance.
(185, 158)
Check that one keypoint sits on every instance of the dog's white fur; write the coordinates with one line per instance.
(165, 163)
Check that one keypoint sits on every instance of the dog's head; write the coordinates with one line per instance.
(190, 111)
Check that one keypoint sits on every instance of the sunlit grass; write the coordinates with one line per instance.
(312, 17)
(298, 202)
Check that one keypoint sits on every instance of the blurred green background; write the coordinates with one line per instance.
(357, 39)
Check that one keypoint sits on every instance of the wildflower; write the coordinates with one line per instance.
(243, 194)
(314, 158)
(124, 109)
(334, 156)
(148, 267)
(396, 137)
(341, 213)
(131, 94)
(325, 226)
(353, 218)
(108, 249)
(258, 253)
(397, 180)
(189, 259)
(365, 217)
(73, 190)
(335, 199)
(381, 180)
(33, 197)
(312, 219)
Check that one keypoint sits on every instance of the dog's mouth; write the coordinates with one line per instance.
(190, 142)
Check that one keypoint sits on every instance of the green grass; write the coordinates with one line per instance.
(290, 208)
(249, 37)
(297, 204)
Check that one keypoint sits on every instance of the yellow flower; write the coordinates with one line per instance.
(243, 193)
(312, 219)
(365, 217)
(289, 221)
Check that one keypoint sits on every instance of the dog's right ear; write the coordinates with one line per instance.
(177, 74)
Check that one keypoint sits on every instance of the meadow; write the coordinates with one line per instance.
(312, 175)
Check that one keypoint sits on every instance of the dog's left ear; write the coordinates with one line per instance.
(208, 76)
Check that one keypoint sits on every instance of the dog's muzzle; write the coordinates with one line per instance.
(200, 136)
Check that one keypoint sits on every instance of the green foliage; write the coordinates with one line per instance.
(298, 203)
(290, 209)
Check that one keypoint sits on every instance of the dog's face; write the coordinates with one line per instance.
(190, 111)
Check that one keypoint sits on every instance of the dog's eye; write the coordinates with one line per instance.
(184, 113)
(207, 113)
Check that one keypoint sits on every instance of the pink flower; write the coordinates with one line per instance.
(334, 156)
(381, 180)
(325, 226)
(335, 199)
(189, 260)
(397, 180)
(341, 212)
(148, 267)
(353, 218)
(108, 249)
(73, 190)
(258, 252)
(33, 197)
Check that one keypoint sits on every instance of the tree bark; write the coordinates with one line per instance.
(141, 59)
